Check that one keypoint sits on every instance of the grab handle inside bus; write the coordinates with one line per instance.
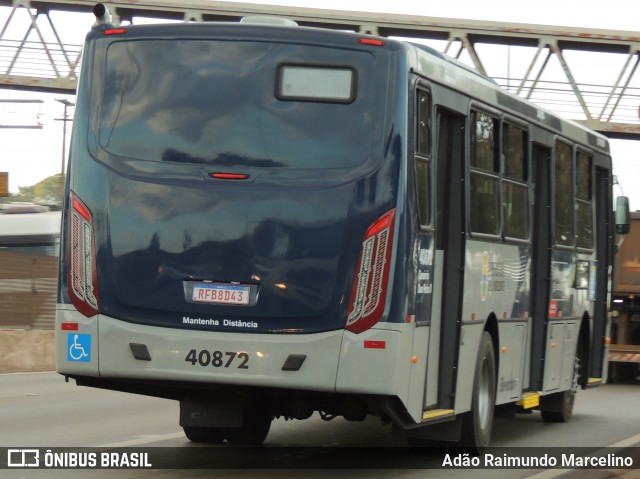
(622, 215)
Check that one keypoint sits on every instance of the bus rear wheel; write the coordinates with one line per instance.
(478, 423)
(254, 430)
(209, 435)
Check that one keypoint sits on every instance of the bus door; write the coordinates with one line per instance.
(425, 281)
(603, 207)
(449, 222)
(541, 267)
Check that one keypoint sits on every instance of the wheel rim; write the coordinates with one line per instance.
(576, 374)
(484, 395)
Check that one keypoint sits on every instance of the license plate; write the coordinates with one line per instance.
(220, 293)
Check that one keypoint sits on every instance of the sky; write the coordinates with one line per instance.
(31, 155)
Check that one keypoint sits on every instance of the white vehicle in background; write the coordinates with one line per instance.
(29, 249)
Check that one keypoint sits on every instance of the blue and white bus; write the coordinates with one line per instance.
(268, 221)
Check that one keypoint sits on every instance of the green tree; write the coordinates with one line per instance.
(48, 191)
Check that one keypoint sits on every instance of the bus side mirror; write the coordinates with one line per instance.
(622, 215)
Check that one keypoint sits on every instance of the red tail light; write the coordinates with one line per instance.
(229, 176)
(82, 279)
(114, 31)
(371, 41)
(369, 292)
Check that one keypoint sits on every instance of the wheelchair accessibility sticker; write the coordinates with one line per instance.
(79, 348)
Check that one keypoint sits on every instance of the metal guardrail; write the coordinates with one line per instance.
(33, 55)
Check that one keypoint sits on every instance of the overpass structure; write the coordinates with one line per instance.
(589, 75)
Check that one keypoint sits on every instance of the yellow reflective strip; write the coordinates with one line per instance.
(529, 400)
(436, 413)
(595, 380)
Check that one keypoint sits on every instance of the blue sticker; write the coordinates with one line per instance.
(79, 348)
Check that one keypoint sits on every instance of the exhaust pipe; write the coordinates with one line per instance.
(102, 14)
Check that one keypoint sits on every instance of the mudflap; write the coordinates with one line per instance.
(223, 410)
(448, 431)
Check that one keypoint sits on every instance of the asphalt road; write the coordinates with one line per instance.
(40, 410)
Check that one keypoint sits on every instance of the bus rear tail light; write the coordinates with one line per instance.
(82, 278)
(376, 42)
(369, 291)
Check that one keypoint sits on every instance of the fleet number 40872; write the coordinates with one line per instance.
(218, 359)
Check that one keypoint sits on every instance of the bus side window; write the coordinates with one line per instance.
(484, 174)
(563, 194)
(515, 192)
(584, 208)
(423, 156)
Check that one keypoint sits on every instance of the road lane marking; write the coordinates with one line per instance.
(554, 473)
(630, 441)
(145, 440)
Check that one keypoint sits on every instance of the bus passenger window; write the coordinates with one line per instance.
(424, 119)
(563, 194)
(484, 204)
(515, 191)
(485, 142)
(584, 208)
(484, 211)
(423, 156)
(515, 151)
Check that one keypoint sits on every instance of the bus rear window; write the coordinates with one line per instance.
(308, 83)
(235, 103)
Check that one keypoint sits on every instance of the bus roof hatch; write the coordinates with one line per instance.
(267, 20)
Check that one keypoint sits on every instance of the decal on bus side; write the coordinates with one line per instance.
(484, 281)
(79, 348)
(424, 272)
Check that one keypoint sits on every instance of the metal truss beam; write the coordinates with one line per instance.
(33, 56)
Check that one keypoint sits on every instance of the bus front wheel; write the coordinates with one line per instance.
(561, 407)
(478, 423)
(558, 407)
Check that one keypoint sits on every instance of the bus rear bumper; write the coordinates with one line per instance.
(334, 361)
(109, 348)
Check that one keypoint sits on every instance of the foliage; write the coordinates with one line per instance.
(46, 192)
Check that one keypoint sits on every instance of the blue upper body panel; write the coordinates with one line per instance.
(161, 108)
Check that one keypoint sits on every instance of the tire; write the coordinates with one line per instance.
(558, 407)
(209, 435)
(562, 405)
(477, 424)
(254, 430)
